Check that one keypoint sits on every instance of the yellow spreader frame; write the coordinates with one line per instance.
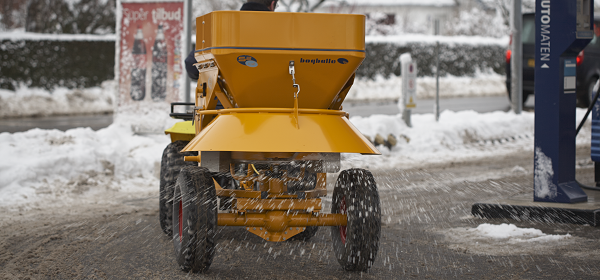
(281, 78)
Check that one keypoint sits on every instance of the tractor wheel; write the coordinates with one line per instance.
(195, 226)
(172, 161)
(356, 244)
(309, 182)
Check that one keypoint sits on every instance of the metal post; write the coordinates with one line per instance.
(516, 61)
(187, 44)
(436, 108)
(409, 75)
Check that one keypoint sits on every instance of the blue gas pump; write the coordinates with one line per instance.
(563, 29)
(595, 145)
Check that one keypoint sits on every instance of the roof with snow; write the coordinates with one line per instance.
(437, 3)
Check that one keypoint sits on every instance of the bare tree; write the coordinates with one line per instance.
(12, 14)
(504, 6)
(72, 17)
(204, 7)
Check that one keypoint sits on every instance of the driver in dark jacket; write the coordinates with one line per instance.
(251, 5)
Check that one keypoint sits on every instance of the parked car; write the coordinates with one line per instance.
(588, 63)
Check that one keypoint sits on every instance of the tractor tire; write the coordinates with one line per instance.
(309, 182)
(356, 244)
(194, 229)
(170, 165)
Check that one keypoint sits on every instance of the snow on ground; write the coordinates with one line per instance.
(458, 136)
(28, 102)
(19, 34)
(505, 239)
(52, 166)
(512, 233)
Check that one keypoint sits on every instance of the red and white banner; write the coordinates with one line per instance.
(150, 58)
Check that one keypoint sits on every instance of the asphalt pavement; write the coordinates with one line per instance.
(63, 123)
(483, 104)
(426, 216)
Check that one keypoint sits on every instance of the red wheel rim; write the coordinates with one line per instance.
(180, 221)
(343, 228)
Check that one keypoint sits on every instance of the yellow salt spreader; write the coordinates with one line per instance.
(261, 161)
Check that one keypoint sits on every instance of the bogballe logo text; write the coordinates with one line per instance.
(324, 61)
(161, 15)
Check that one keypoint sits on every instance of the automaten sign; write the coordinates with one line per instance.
(544, 26)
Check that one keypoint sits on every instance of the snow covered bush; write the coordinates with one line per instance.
(59, 16)
(42, 63)
(457, 59)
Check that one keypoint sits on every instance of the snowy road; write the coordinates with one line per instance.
(96, 121)
(482, 104)
(427, 233)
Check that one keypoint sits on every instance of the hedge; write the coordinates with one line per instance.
(51, 63)
(77, 64)
(455, 59)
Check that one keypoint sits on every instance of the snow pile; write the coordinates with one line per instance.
(397, 3)
(27, 102)
(146, 117)
(505, 240)
(19, 34)
(483, 84)
(457, 136)
(464, 135)
(56, 166)
(513, 233)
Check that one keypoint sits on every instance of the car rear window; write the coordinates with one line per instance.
(528, 35)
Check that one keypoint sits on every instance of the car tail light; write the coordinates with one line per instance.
(508, 52)
(580, 58)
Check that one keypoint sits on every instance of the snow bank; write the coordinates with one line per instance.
(18, 35)
(458, 136)
(483, 84)
(27, 102)
(437, 3)
(57, 167)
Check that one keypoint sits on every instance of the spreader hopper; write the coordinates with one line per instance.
(281, 78)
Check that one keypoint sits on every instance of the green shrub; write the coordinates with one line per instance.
(455, 59)
(48, 64)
